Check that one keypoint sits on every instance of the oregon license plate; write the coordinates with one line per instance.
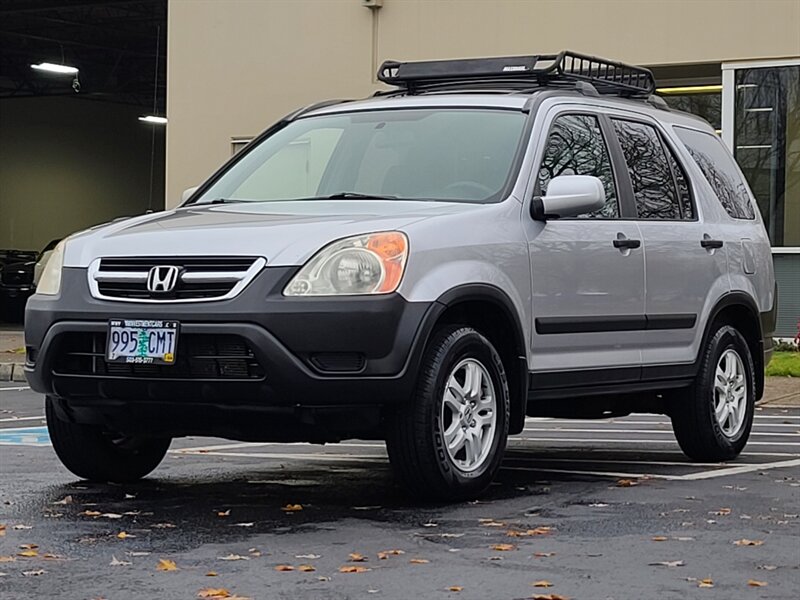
(142, 341)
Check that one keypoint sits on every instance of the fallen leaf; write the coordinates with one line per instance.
(756, 583)
(357, 557)
(542, 583)
(115, 562)
(22, 527)
(627, 483)
(64, 500)
(659, 538)
(306, 568)
(163, 526)
(549, 597)
(165, 564)
(419, 561)
(4, 559)
(529, 532)
(705, 583)
(242, 524)
(430, 524)
(130, 496)
(722, 512)
(211, 574)
(387, 553)
(762, 567)
(214, 593)
(543, 554)
(308, 556)
(34, 573)
(233, 557)
(2, 530)
(746, 542)
(124, 535)
(292, 508)
(28, 546)
(50, 556)
(90, 513)
(284, 568)
(28, 553)
(495, 558)
(138, 553)
(491, 523)
(504, 547)
(224, 513)
(455, 588)
(111, 516)
(667, 563)
(353, 569)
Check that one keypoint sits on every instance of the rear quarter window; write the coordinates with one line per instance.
(720, 171)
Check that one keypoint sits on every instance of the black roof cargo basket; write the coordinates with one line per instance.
(520, 73)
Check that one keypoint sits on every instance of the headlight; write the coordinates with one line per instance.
(50, 281)
(364, 264)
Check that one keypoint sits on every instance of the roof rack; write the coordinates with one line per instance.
(520, 73)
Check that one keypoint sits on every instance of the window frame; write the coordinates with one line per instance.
(622, 202)
(668, 146)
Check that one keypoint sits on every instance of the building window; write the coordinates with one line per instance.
(766, 144)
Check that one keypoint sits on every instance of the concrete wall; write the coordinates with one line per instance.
(66, 164)
(234, 66)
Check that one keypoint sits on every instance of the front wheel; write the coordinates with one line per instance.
(713, 421)
(447, 443)
(92, 453)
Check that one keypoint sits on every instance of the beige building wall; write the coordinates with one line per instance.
(235, 66)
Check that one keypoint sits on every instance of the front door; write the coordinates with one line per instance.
(587, 272)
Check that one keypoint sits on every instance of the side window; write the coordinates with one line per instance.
(654, 187)
(576, 146)
(684, 195)
(720, 170)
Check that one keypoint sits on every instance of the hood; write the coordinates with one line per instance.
(285, 233)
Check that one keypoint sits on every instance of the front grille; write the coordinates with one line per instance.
(199, 356)
(199, 278)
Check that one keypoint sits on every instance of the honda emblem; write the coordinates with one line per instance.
(162, 279)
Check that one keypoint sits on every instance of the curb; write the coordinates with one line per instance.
(12, 372)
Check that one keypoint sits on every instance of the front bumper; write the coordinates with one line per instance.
(286, 335)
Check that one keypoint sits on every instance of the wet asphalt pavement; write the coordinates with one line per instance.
(596, 509)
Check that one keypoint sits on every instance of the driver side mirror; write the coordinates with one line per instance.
(187, 193)
(569, 196)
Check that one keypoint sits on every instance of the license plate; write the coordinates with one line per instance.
(142, 341)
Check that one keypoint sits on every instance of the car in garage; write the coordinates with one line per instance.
(488, 239)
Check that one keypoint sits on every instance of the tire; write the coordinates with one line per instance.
(703, 432)
(419, 431)
(94, 454)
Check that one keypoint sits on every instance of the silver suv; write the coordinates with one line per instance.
(491, 239)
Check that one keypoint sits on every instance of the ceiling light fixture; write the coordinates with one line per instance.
(154, 119)
(690, 89)
(54, 68)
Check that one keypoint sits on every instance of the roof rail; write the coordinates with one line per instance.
(520, 73)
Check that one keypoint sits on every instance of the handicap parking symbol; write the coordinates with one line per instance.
(24, 436)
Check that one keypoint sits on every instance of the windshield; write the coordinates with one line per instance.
(462, 155)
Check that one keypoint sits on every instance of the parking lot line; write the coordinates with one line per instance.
(14, 419)
(14, 389)
(741, 469)
(604, 430)
(644, 441)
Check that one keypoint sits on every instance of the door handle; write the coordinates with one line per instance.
(710, 244)
(626, 243)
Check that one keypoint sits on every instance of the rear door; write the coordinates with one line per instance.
(685, 260)
(587, 272)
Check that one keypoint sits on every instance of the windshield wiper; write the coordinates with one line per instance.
(355, 196)
(223, 201)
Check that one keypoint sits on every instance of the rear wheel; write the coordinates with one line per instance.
(93, 453)
(713, 421)
(447, 443)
